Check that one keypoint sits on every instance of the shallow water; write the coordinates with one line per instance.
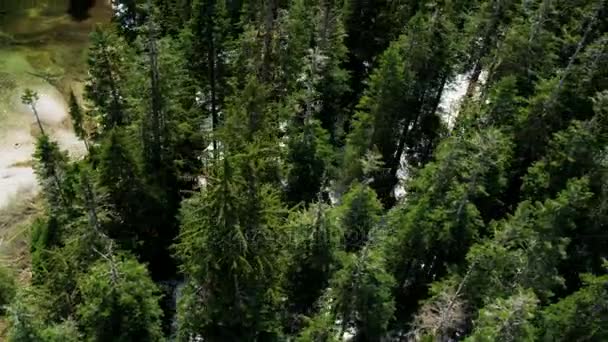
(45, 52)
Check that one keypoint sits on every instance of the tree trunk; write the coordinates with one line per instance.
(473, 80)
(155, 147)
(212, 81)
(116, 106)
(38, 119)
(268, 28)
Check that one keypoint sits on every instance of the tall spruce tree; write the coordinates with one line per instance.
(107, 76)
(119, 302)
(232, 233)
(580, 315)
(357, 215)
(403, 96)
(207, 42)
(78, 120)
(360, 296)
(313, 258)
(447, 209)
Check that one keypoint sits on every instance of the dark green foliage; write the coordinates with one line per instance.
(309, 159)
(327, 192)
(360, 295)
(401, 101)
(51, 168)
(119, 302)
(176, 14)
(534, 236)
(314, 254)
(370, 27)
(572, 153)
(582, 315)
(7, 288)
(135, 208)
(78, 118)
(66, 331)
(447, 207)
(107, 74)
(315, 80)
(382, 105)
(45, 235)
(358, 214)
(508, 319)
(206, 42)
(486, 29)
(320, 328)
(230, 247)
(28, 320)
(25, 321)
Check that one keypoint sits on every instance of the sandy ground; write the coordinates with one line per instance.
(51, 64)
(18, 128)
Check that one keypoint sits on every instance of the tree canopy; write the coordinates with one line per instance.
(297, 171)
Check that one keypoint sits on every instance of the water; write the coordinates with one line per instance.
(42, 47)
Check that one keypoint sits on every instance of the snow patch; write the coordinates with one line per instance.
(451, 98)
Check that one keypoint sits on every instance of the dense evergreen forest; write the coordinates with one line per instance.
(282, 170)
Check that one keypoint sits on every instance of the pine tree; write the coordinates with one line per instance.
(28, 318)
(411, 74)
(518, 53)
(320, 328)
(333, 86)
(309, 155)
(447, 207)
(528, 247)
(24, 318)
(486, 29)
(358, 214)
(238, 110)
(29, 98)
(388, 90)
(207, 41)
(154, 123)
(508, 319)
(313, 257)
(296, 29)
(63, 247)
(360, 296)
(50, 170)
(139, 222)
(576, 152)
(370, 27)
(240, 211)
(53, 171)
(230, 248)
(119, 302)
(309, 159)
(106, 83)
(175, 15)
(78, 118)
(173, 140)
(582, 315)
